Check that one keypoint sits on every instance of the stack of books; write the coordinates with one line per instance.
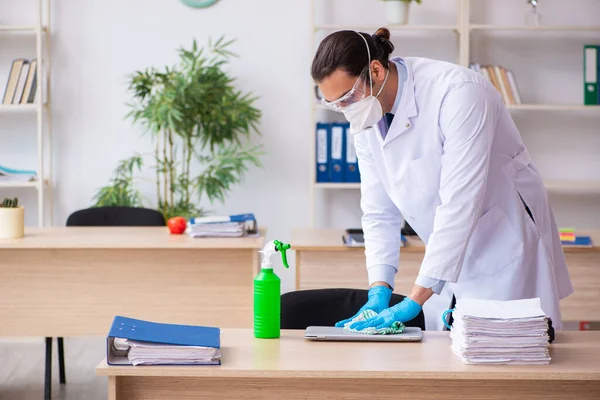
(502, 79)
(223, 226)
(501, 332)
(137, 342)
(21, 86)
(568, 238)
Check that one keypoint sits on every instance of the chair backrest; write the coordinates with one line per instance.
(325, 307)
(116, 216)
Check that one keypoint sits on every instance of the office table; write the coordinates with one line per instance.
(72, 281)
(322, 261)
(293, 368)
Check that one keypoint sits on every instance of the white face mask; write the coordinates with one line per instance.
(368, 111)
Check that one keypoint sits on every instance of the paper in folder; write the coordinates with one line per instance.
(137, 342)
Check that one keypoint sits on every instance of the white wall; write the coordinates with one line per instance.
(96, 44)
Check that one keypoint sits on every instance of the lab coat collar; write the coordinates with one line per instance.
(406, 109)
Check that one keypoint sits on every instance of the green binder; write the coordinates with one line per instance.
(590, 74)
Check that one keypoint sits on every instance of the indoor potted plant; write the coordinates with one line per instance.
(397, 11)
(201, 126)
(12, 219)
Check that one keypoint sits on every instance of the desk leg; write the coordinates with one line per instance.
(112, 388)
(48, 370)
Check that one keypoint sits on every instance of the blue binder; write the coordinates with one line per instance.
(323, 142)
(159, 333)
(352, 173)
(337, 152)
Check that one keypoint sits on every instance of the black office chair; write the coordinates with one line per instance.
(325, 307)
(116, 216)
(97, 216)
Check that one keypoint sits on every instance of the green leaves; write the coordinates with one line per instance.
(10, 203)
(224, 168)
(194, 112)
(120, 192)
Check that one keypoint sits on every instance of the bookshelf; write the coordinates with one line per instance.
(41, 108)
(462, 30)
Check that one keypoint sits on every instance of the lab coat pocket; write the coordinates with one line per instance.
(425, 173)
(494, 244)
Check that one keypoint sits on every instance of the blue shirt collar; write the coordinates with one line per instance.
(402, 75)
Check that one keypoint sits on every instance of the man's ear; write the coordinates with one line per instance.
(377, 71)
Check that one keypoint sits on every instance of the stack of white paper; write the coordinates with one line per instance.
(223, 229)
(500, 332)
(145, 353)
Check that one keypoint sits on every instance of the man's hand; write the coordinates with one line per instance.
(378, 300)
(404, 311)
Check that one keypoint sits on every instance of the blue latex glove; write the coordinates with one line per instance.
(404, 311)
(379, 300)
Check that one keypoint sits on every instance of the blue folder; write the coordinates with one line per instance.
(337, 153)
(580, 241)
(154, 332)
(352, 173)
(323, 143)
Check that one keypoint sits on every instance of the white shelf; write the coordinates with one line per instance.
(553, 107)
(526, 107)
(21, 28)
(16, 184)
(465, 31)
(18, 107)
(38, 32)
(552, 186)
(392, 28)
(541, 28)
(333, 185)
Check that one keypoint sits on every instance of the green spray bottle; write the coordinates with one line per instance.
(267, 293)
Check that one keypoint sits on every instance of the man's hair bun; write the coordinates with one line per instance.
(382, 36)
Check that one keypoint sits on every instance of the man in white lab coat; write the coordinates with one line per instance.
(436, 146)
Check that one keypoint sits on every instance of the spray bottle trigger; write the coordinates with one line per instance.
(282, 247)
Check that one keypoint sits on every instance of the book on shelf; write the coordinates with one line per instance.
(16, 175)
(503, 80)
(21, 86)
(336, 160)
(591, 75)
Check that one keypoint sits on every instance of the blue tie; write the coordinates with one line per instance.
(389, 117)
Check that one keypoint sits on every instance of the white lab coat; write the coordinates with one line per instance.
(454, 165)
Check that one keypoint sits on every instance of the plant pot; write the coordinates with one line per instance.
(12, 223)
(397, 12)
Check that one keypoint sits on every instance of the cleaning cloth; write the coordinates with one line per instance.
(395, 328)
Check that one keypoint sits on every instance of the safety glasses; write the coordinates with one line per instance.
(353, 96)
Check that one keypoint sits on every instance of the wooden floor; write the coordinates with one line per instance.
(22, 369)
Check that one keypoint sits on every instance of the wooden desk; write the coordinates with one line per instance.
(322, 261)
(293, 368)
(72, 281)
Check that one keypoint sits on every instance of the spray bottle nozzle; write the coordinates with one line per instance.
(273, 247)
